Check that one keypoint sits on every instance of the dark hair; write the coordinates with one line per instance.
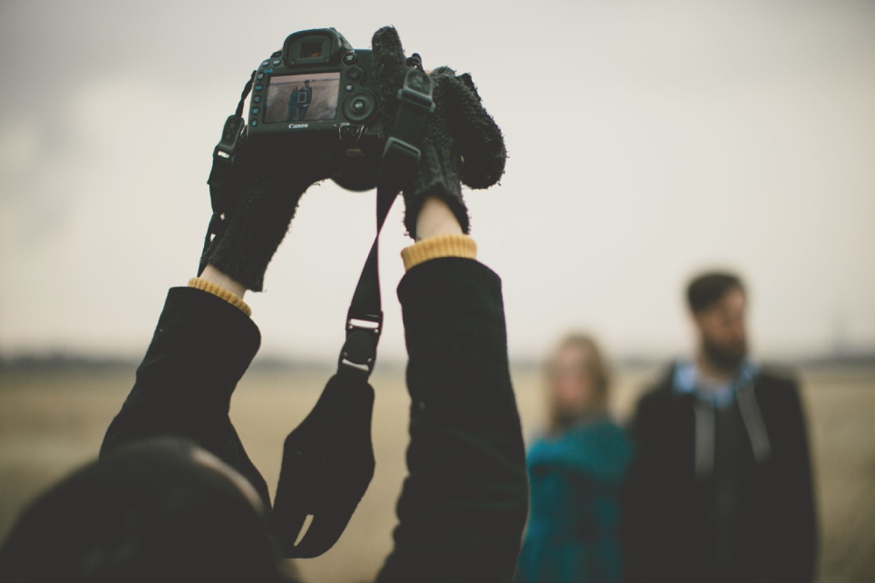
(146, 512)
(707, 289)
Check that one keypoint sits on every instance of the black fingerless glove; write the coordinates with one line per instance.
(462, 143)
(265, 186)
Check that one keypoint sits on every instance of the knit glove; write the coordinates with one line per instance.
(262, 193)
(462, 143)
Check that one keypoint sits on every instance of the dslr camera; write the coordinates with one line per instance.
(320, 92)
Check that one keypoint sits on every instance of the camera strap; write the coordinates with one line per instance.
(401, 155)
(223, 171)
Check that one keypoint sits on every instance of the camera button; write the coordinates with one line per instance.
(260, 76)
(259, 87)
(256, 111)
(253, 123)
(355, 74)
(349, 58)
(276, 62)
(257, 99)
(349, 87)
(360, 107)
(265, 63)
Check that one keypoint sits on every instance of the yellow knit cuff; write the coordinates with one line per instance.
(440, 246)
(221, 292)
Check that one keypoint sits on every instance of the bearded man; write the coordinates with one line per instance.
(720, 489)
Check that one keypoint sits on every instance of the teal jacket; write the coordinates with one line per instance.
(573, 529)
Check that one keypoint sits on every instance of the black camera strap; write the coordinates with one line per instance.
(401, 155)
(222, 173)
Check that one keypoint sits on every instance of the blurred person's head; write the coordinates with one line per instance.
(157, 510)
(577, 381)
(717, 302)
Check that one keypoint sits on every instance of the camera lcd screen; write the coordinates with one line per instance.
(305, 97)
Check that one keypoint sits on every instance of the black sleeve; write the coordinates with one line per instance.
(637, 526)
(657, 514)
(200, 350)
(463, 507)
(631, 511)
(800, 523)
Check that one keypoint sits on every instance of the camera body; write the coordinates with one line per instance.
(319, 92)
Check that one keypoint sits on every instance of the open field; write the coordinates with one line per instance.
(52, 421)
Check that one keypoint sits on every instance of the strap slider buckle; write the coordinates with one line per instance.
(226, 149)
(400, 154)
(359, 352)
(417, 91)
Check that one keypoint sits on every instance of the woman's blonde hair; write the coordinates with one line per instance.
(596, 368)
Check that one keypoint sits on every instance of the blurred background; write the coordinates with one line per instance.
(647, 140)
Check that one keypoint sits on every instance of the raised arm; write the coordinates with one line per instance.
(463, 506)
(464, 503)
(205, 339)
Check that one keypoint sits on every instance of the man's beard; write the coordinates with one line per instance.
(727, 358)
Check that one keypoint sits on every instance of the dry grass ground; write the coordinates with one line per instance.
(51, 422)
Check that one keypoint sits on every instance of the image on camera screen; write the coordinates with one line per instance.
(305, 97)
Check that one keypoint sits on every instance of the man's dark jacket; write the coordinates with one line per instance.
(667, 536)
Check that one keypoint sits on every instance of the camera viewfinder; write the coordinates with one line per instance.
(311, 50)
(312, 47)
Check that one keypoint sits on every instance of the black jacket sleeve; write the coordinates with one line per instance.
(795, 537)
(200, 350)
(658, 490)
(463, 506)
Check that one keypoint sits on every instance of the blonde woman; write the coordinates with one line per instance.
(575, 471)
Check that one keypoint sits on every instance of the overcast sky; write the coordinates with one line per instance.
(647, 140)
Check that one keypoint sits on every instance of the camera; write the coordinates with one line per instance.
(320, 92)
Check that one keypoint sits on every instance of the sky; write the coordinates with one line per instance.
(647, 141)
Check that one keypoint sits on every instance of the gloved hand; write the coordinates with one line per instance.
(262, 193)
(462, 143)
